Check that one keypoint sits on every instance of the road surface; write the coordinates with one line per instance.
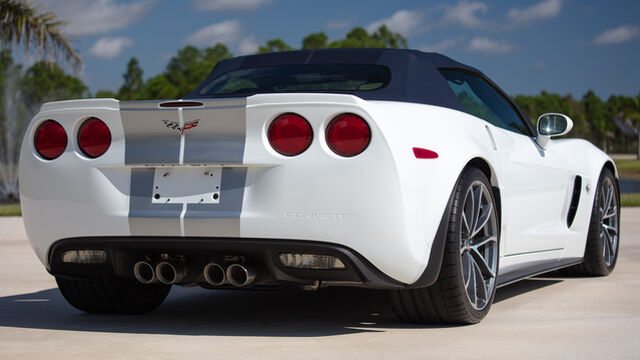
(547, 317)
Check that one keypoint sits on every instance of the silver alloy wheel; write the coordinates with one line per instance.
(479, 245)
(608, 206)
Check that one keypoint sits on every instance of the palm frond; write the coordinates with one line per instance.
(22, 22)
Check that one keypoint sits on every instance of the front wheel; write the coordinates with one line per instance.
(465, 288)
(603, 239)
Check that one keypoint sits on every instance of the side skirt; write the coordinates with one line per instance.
(535, 270)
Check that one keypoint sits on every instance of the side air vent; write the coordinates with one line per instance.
(575, 199)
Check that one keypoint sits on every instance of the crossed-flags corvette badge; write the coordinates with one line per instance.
(176, 125)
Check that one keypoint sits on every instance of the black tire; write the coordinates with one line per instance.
(111, 295)
(595, 262)
(447, 300)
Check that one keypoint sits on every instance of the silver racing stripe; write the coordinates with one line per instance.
(221, 219)
(217, 140)
(145, 218)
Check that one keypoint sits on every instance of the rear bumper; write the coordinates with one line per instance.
(124, 252)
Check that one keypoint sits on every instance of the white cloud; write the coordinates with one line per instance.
(543, 10)
(226, 32)
(88, 17)
(338, 24)
(221, 5)
(483, 44)
(442, 46)
(540, 65)
(248, 45)
(109, 48)
(618, 35)
(405, 22)
(465, 13)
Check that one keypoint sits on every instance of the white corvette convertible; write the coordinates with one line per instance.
(385, 169)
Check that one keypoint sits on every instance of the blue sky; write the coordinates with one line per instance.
(561, 46)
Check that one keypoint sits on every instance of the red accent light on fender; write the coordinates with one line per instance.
(290, 134)
(50, 140)
(421, 153)
(348, 135)
(94, 137)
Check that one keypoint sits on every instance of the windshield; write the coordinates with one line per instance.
(300, 78)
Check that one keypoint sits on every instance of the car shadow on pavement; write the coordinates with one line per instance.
(522, 287)
(194, 311)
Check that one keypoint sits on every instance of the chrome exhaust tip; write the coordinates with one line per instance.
(214, 274)
(241, 275)
(144, 272)
(170, 273)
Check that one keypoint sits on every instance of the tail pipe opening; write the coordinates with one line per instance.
(170, 272)
(241, 275)
(214, 274)
(145, 272)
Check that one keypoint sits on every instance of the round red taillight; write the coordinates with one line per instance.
(348, 135)
(94, 137)
(290, 134)
(50, 140)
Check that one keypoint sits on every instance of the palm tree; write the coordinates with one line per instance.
(23, 22)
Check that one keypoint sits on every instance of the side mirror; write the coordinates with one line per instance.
(552, 124)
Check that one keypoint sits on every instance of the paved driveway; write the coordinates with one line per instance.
(545, 317)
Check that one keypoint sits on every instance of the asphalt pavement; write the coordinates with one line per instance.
(545, 317)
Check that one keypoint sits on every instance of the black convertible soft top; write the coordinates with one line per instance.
(414, 74)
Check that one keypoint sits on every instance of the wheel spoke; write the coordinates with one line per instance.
(467, 212)
(482, 285)
(467, 228)
(477, 206)
(481, 262)
(610, 242)
(609, 196)
(484, 241)
(606, 249)
(484, 216)
(472, 287)
(466, 270)
(612, 212)
(610, 229)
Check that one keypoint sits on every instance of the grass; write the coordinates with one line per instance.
(628, 168)
(630, 199)
(10, 210)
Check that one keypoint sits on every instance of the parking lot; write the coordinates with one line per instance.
(546, 317)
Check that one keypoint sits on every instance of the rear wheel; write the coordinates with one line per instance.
(603, 241)
(112, 295)
(465, 288)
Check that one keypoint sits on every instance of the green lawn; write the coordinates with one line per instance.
(10, 210)
(628, 168)
(630, 199)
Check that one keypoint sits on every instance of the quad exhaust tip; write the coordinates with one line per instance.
(241, 275)
(144, 272)
(214, 274)
(170, 272)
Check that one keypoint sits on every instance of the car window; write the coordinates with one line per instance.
(481, 99)
(300, 78)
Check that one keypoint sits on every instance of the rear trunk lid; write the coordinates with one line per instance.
(213, 132)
